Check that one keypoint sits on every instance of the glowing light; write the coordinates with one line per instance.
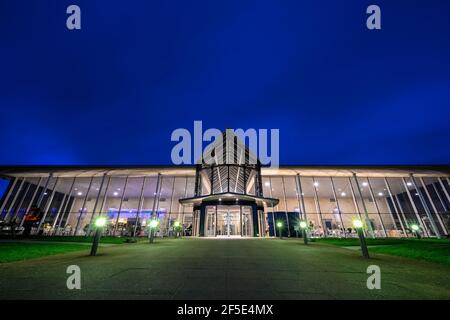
(80, 193)
(365, 184)
(380, 194)
(115, 193)
(303, 224)
(357, 224)
(100, 222)
(267, 184)
(415, 227)
(279, 224)
(176, 224)
(343, 194)
(154, 223)
(409, 184)
(316, 184)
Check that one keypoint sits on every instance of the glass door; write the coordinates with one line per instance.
(210, 221)
(228, 221)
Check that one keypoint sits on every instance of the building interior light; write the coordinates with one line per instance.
(380, 194)
(80, 193)
(316, 184)
(267, 183)
(364, 184)
(115, 193)
(409, 184)
(343, 194)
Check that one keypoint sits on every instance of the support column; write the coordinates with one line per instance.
(286, 207)
(96, 202)
(419, 219)
(63, 205)
(47, 206)
(377, 208)
(366, 213)
(215, 221)
(120, 206)
(8, 195)
(141, 200)
(338, 206)
(16, 195)
(182, 207)
(21, 202)
(318, 210)
(255, 220)
(444, 189)
(444, 229)
(31, 202)
(273, 209)
(425, 206)
(158, 181)
(41, 196)
(82, 208)
(201, 222)
(397, 210)
(170, 206)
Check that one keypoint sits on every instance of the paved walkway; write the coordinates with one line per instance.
(223, 269)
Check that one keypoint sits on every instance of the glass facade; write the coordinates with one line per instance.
(61, 202)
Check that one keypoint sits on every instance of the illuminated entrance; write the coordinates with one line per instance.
(229, 221)
(228, 196)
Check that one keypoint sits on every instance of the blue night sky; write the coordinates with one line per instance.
(113, 92)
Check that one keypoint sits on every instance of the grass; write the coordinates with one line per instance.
(16, 251)
(83, 239)
(432, 250)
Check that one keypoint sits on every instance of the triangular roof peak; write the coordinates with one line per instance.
(230, 148)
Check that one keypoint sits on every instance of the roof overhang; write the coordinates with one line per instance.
(228, 198)
(181, 170)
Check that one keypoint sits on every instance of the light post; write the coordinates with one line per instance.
(304, 226)
(359, 226)
(152, 225)
(99, 224)
(416, 229)
(279, 226)
(176, 227)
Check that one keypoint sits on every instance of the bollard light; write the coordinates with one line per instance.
(99, 224)
(279, 226)
(304, 227)
(152, 225)
(177, 227)
(416, 229)
(359, 226)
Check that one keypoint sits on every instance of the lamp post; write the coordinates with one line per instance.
(304, 226)
(99, 224)
(359, 226)
(416, 229)
(176, 227)
(152, 225)
(279, 226)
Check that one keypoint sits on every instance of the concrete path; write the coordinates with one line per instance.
(223, 269)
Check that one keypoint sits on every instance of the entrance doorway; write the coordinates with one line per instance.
(228, 221)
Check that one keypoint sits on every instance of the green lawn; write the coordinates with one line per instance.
(84, 239)
(432, 250)
(16, 251)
